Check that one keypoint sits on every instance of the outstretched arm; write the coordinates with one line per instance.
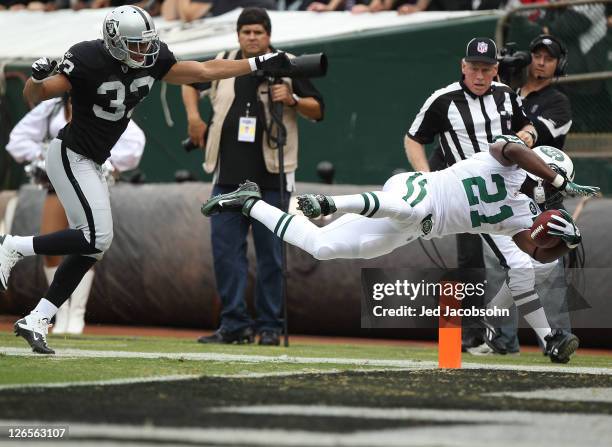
(509, 153)
(190, 72)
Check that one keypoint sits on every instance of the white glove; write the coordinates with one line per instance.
(565, 228)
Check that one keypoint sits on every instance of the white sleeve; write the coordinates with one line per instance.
(27, 137)
(127, 152)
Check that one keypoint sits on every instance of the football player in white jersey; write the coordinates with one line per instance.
(478, 195)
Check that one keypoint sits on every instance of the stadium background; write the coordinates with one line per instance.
(119, 385)
(377, 80)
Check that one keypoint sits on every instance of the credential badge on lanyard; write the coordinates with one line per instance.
(247, 126)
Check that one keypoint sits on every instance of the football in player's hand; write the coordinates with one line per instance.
(539, 230)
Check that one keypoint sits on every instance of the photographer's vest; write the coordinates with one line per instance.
(221, 96)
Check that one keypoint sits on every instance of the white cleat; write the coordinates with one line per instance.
(34, 328)
(8, 258)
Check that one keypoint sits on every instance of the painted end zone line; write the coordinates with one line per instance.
(216, 357)
(498, 428)
(180, 377)
(128, 381)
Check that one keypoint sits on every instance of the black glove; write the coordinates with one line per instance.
(43, 68)
(275, 64)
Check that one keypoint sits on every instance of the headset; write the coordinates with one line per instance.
(562, 63)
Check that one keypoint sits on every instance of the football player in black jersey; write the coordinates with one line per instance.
(106, 78)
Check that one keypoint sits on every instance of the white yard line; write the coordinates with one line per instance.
(464, 428)
(434, 414)
(126, 381)
(175, 378)
(218, 357)
(563, 394)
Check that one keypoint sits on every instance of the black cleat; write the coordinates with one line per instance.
(492, 338)
(34, 330)
(560, 346)
(240, 200)
(315, 205)
(241, 336)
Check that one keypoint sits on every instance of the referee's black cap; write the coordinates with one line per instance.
(481, 49)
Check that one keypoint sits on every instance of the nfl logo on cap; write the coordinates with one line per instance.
(481, 49)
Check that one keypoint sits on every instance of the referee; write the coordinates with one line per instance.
(550, 112)
(465, 116)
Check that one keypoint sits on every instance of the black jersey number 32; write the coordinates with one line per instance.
(118, 103)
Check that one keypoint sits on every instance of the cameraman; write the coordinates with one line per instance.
(548, 109)
(239, 146)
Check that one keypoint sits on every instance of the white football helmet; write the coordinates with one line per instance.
(557, 160)
(130, 36)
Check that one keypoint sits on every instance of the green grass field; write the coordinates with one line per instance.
(70, 366)
(112, 390)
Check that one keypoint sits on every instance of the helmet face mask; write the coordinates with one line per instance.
(130, 36)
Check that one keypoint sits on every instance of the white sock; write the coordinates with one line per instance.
(289, 227)
(538, 322)
(45, 308)
(354, 203)
(375, 204)
(266, 214)
(23, 244)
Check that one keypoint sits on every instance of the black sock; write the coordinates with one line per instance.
(64, 242)
(67, 278)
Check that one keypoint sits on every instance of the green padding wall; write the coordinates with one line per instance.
(375, 86)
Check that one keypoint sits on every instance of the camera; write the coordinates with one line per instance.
(306, 66)
(512, 65)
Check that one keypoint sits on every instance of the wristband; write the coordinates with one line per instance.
(37, 81)
(253, 63)
(559, 181)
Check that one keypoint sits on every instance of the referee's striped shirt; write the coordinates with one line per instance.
(467, 123)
